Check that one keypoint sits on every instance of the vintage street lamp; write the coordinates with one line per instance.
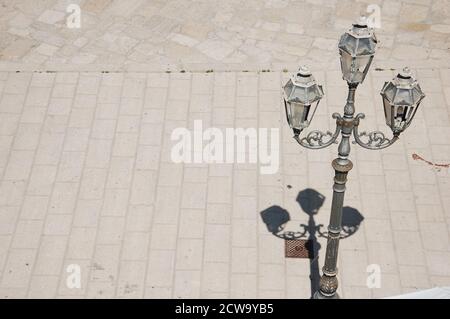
(301, 93)
(357, 49)
(401, 99)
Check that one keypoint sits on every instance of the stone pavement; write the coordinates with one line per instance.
(87, 179)
(200, 35)
(87, 182)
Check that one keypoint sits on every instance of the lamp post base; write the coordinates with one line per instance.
(319, 295)
(327, 287)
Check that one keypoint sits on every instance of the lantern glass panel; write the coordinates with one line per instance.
(417, 94)
(288, 88)
(412, 113)
(366, 46)
(299, 94)
(346, 65)
(315, 93)
(388, 112)
(389, 91)
(399, 118)
(287, 108)
(298, 115)
(403, 97)
(348, 43)
(354, 69)
(362, 67)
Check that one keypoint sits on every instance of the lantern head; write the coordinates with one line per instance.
(401, 99)
(357, 49)
(301, 97)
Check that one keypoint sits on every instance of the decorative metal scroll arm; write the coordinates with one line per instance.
(376, 140)
(317, 139)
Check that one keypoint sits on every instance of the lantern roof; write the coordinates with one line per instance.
(302, 88)
(360, 40)
(403, 89)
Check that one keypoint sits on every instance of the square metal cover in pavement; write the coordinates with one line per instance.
(298, 248)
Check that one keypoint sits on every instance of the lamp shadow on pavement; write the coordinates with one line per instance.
(310, 201)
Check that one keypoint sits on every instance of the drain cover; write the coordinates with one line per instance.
(298, 248)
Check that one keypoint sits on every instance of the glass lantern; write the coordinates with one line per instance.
(357, 49)
(301, 98)
(401, 99)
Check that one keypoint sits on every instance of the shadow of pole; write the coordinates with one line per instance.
(310, 201)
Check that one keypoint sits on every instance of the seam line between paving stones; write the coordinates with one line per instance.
(130, 188)
(26, 182)
(205, 212)
(69, 235)
(155, 191)
(175, 270)
(49, 196)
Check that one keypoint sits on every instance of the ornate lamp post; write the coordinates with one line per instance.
(401, 98)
